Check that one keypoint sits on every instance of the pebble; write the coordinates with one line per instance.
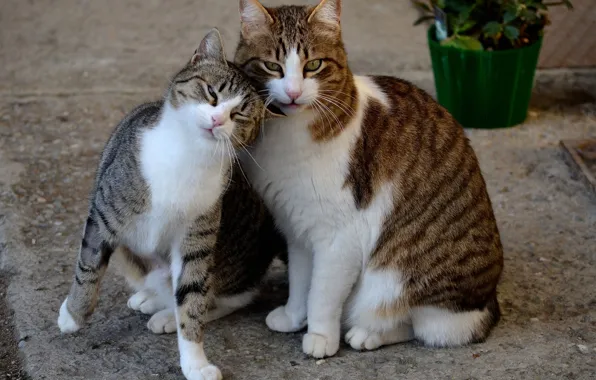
(534, 320)
(583, 348)
(319, 362)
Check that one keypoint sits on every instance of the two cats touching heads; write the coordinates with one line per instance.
(365, 185)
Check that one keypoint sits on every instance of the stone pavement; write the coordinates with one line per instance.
(72, 68)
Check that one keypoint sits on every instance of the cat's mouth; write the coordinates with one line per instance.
(290, 107)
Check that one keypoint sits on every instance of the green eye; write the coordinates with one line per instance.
(273, 66)
(314, 65)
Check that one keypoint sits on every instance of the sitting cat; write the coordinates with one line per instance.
(376, 188)
(170, 200)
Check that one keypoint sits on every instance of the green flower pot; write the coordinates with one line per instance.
(484, 89)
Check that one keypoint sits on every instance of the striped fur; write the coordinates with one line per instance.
(170, 203)
(377, 190)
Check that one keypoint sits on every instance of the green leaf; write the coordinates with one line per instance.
(423, 19)
(440, 3)
(463, 42)
(422, 5)
(511, 32)
(508, 17)
(492, 29)
(528, 15)
(465, 26)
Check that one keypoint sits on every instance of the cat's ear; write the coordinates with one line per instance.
(254, 17)
(272, 112)
(211, 48)
(327, 12)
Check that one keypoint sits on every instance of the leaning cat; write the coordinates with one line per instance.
(169, 196)
(376, 189)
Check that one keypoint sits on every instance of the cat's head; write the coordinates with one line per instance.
(213, 97)
(295, 52)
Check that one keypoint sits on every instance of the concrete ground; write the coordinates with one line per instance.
(70, 69)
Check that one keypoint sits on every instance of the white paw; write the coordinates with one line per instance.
(319, 346)
(163, 322)
(279, 320)
(362, 339)
(209, 372)
(146, 302)
(66, 322)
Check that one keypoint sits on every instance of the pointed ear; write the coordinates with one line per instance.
(328, 12)
(272, 112)
(211, 48)
(254, 17)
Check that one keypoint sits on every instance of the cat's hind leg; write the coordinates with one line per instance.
(164, 321)
(226, 305)
(156, 294)
(439, 327)
(371, 315)
(92, 262)
(151, 282)
(366, 339)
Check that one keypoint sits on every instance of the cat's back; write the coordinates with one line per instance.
(441, 210)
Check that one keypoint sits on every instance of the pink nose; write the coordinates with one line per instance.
(217, 121)
(294, 94)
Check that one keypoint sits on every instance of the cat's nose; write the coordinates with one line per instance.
(294, 93)
(217, 120)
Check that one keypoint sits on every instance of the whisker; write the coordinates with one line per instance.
(324, 112)
(236, 159)
(243, 146)
(343, 107)
(231, 166)
(338, 92)
(331, 113)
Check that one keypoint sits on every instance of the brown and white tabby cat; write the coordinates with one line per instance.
(389, 225)
(170, 198)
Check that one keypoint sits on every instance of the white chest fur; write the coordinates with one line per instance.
(302, 181)
(184, 182)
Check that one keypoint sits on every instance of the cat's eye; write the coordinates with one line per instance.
(313, 65)
(238, 116)
(273, 66)
(212, 93)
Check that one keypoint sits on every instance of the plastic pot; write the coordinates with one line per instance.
(484, 89)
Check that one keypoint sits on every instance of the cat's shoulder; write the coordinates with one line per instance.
(123, 140)
(395, 89)
(396, 96)
(146, 114)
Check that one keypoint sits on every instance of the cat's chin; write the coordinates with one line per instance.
(291, 109)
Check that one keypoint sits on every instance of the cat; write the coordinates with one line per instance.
(171, 202)
(377, 190)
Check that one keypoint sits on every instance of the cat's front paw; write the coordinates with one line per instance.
(281, 321)
(147, 302)
(209, 372)
(319, 346)
(66, 322)
(163, 322)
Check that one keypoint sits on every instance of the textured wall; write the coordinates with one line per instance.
(571, 38)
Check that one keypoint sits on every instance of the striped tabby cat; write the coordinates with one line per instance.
(376, 189)
(170, 199)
